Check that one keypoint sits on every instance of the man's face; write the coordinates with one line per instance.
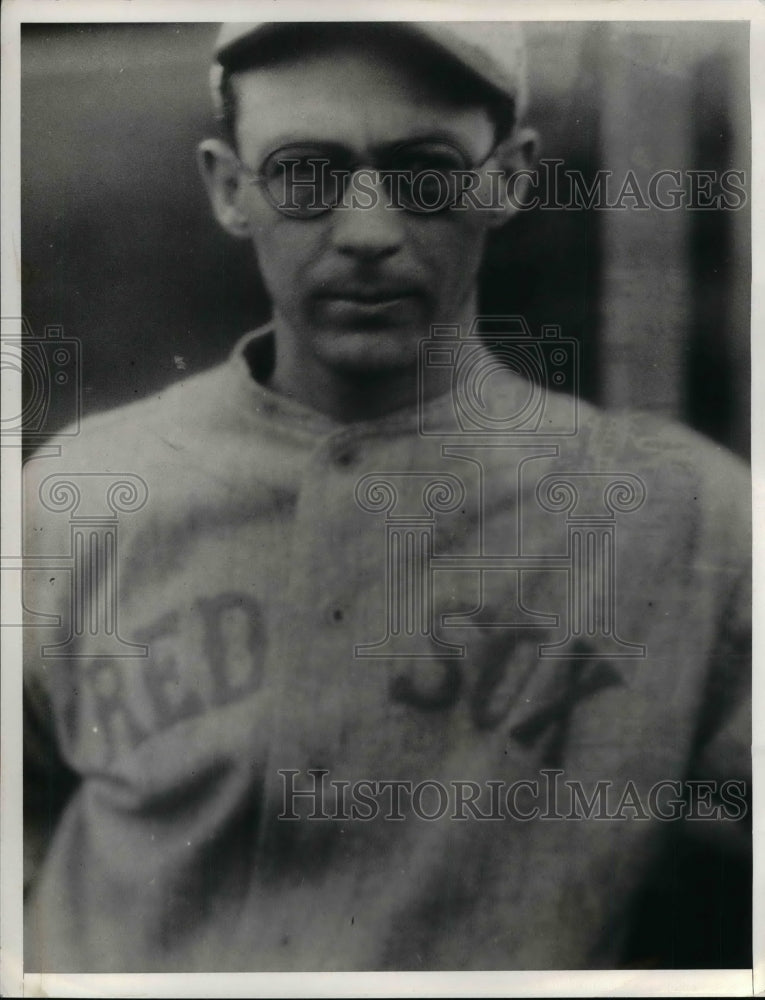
(355, 289)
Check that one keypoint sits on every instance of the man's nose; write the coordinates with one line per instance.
(367, 230)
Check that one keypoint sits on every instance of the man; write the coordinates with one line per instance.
(401, 660)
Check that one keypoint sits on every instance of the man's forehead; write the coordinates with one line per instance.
(490, 54)
(327, 98)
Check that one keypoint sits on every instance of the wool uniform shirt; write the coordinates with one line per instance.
(494, 663)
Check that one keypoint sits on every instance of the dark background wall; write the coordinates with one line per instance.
(119, 247)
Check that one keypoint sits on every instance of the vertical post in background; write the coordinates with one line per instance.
(740, 288)
(645, 285)
(717, 385)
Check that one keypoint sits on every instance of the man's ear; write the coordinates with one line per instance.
(516, 156)
(222, 177)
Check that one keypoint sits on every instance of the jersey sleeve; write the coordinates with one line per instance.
(47, 779)
(722, 757)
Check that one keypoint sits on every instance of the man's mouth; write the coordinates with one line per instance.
(354, 304)
(368, 294)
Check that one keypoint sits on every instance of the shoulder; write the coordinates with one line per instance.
(691, 481)
(123, 450)
(671, 452)
(144, 431)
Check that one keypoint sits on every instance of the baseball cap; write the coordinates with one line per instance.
(493, 51)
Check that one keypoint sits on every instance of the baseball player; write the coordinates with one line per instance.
(402, 659)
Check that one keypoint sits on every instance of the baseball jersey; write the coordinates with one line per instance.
(430, 691)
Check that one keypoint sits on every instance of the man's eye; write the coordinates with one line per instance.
(303, 169)
(301, 181)
(435, 158)
(428, 165)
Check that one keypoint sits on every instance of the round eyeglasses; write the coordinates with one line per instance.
(305, 180)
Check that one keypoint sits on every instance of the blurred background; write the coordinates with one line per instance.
(120, 250)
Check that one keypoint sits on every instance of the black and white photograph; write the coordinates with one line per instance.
(377, 547)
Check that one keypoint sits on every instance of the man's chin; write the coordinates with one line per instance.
(370, 352)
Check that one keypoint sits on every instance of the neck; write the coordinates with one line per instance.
(360, 396)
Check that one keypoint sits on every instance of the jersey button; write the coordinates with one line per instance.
(336, 613)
